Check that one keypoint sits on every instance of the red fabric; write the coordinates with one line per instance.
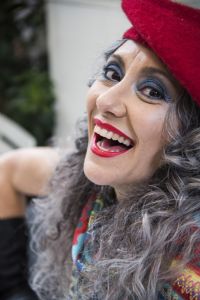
(172, 31)
(83, 221)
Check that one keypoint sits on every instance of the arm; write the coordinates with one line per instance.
(24, 172)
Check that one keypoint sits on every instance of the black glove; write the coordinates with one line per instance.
(13, 261)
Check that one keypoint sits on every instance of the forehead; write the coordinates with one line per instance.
(131, 52)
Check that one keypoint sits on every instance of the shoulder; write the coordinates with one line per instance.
(29, 169)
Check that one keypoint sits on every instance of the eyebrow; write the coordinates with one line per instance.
(119, 58)
(153, 70)
(146, 71)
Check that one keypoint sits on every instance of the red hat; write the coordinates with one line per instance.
(172, 31)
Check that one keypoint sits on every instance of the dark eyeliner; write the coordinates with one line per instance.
(155, 84)
(112, 66)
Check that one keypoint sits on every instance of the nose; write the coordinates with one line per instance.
(112, 101)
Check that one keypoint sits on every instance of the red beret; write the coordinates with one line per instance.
(172, 31)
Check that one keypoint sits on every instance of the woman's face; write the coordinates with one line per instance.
(126, 110)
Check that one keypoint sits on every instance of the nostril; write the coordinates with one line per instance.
(110, 107)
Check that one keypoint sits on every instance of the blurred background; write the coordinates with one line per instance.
(48, 51)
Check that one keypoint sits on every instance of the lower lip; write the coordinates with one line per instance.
(99, 152)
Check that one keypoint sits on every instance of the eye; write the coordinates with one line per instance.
(112, 72)
(152, 93)
(153, 89)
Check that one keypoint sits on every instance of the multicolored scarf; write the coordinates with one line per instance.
(185, 287)
(81, 235)
(81, 254)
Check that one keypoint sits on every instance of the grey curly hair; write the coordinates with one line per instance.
(135, 240)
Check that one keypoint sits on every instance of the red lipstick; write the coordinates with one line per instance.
(110, 128)
(112, 150)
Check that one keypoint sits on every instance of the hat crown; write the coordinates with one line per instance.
(172, 30)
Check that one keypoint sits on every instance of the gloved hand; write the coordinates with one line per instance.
(13, 261)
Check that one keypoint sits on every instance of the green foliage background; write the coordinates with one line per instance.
(26, 93)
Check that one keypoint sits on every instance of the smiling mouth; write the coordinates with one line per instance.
(108, 143)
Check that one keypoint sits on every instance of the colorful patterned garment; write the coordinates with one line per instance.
(80, 252)
(185, 287)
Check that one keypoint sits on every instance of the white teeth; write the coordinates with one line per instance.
(127, 142)
(104, 132)
(111, 135)
(97, 129)
(115, 137)
(121, 139)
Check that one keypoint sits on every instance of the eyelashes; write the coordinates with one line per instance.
(153, 89)
(109, 72)
(112, 72)
(149, 88)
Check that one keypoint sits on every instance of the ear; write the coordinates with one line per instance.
(191, 3)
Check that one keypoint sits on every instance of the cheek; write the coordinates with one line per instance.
(149, 129)
(90, 106)
(92, 96)
(90, 101)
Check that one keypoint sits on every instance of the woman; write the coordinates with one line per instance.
(132, 215)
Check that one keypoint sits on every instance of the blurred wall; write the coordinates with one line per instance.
(78, 32)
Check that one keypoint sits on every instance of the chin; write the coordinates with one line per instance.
(94, 175)
(98, 174)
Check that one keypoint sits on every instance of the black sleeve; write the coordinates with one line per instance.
(13, 261)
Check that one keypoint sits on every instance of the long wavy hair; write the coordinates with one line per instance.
(135, 240)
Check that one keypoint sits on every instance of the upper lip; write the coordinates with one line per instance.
(111, 128)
